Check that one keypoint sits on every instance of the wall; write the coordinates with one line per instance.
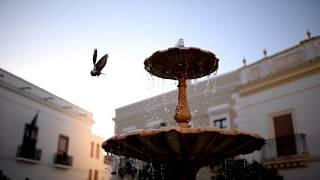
(18, 107)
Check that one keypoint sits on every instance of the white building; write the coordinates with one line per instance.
(276, 97)
(44, 137)
(279, 99)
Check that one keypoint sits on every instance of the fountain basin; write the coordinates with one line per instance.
(203, 145)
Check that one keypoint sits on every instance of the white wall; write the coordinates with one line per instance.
(17, 109)
(300, 97)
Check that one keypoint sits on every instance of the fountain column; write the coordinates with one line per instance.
(182, 113)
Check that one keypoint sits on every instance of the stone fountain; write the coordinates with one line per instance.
(185, 149)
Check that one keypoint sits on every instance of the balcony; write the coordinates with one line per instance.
(63, 160)
(28, 154)
(285, 152)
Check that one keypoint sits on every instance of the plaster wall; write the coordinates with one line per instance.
(16, 109)
(300, 98)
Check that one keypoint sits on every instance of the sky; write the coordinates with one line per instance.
(50, 43)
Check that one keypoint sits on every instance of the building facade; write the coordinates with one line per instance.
(276, 97)
(279, 99)
(44, 137)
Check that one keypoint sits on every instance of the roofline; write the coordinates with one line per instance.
(283, 51)
(40, 100)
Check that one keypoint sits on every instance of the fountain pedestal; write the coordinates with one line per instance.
(183, 170)
(182, 113)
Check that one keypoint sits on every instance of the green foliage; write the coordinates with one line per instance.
(242, 170)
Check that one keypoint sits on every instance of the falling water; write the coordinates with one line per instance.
(150, 108)
(154, 106)
(157, 105)
(202, 90)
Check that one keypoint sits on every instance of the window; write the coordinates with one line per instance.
(163, 124)
(219, 116)
(63, 144)
(28, 147)
(284, 135)
(220, 123)
(30, 132)
(97, 151)
(95, 174)
(91, 149)
(62, 157)
(90, 174)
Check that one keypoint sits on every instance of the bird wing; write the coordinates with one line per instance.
(102, 62)
(95, 56)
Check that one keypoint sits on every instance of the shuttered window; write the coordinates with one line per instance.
(284, 135)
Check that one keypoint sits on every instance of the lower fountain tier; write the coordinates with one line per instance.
(203, 145)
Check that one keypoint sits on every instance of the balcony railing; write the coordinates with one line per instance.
(285, 152)
(281, 147)
(63, 159)
(28, 152)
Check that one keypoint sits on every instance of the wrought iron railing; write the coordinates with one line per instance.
(284, 146)
(29, 152)
(3, 176)
(63, 159)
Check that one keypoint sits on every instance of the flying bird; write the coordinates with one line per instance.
(97, 67)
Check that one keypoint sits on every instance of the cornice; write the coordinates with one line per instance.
(300, 71)
(301, 44)
(27, 95)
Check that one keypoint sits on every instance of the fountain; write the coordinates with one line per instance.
(184, 149)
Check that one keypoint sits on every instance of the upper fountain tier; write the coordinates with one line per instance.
(181, 63)
(189, 62)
